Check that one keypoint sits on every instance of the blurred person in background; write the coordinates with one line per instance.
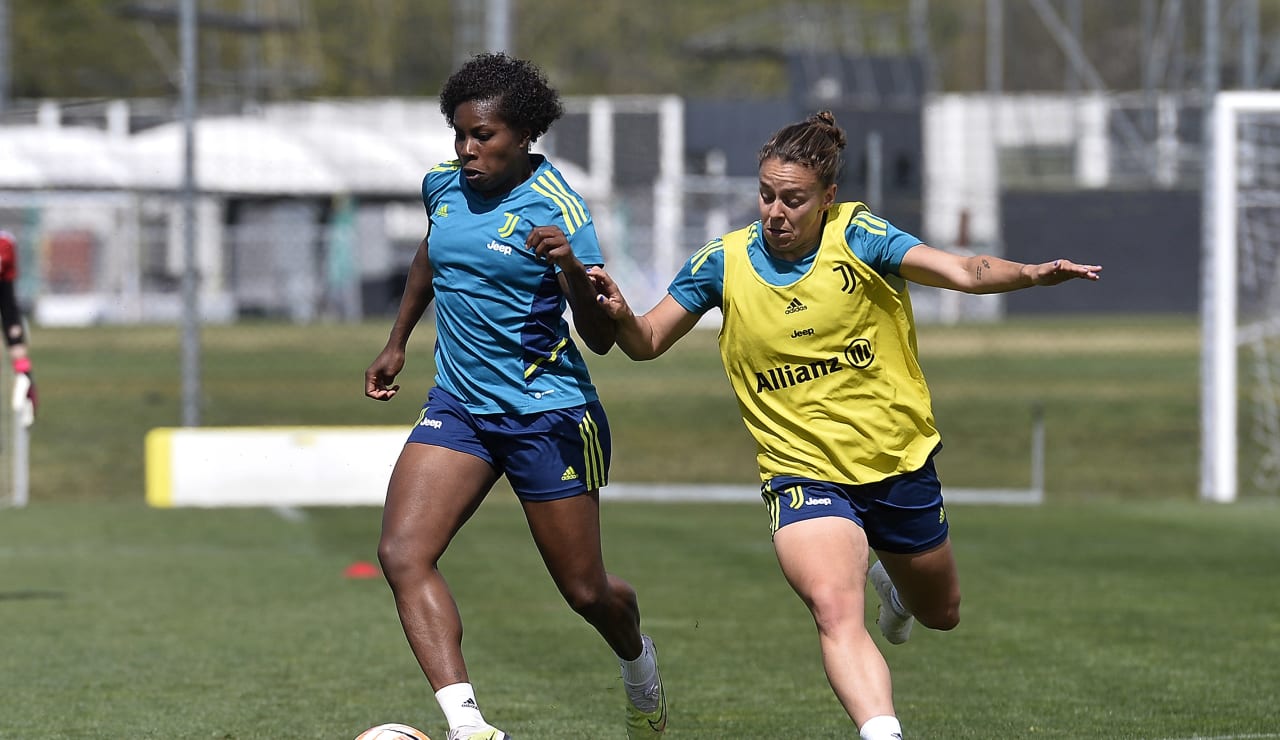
(15, 334)
(819, 343)
(507, 249)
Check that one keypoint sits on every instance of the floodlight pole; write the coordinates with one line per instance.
(190, 272)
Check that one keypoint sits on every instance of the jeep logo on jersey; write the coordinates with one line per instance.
(859, 353)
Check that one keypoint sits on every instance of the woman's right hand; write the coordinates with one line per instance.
(608, 294)
(379, 379)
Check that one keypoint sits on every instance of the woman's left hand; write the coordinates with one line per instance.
(1060, 271)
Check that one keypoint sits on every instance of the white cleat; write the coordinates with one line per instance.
(895, 626)
(642, 724)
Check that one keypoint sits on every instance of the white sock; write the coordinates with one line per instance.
(639, 677)
(639, 673)
(881, 727)
(458, 701)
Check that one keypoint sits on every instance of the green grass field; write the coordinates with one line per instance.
(1107, 619)
(1122, 608)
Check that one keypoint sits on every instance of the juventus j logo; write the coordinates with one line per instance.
(509, 227)
(846, 274)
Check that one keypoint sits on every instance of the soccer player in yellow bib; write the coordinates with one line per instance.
(819, 343)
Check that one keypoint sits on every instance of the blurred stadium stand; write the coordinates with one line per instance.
(312, 209)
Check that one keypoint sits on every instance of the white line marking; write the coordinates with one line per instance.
(1247, 736)
(290, 513)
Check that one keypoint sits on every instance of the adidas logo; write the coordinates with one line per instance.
(795, 306)
(469, 703)
(569, 474)
(442, 211)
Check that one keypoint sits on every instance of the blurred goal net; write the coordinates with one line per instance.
(1241, 304)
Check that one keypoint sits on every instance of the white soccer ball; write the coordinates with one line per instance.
(392, 731)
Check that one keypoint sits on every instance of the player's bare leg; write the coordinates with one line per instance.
(825, 561)
(927, 584)
(567, 532)
(433, 492)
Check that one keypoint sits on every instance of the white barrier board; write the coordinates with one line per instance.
(271, 466)
(350, 466)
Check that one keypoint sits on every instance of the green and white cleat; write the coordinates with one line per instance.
(894, 625)
(650, 724)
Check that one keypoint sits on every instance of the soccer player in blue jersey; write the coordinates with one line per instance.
(819, 344)
(507, 249)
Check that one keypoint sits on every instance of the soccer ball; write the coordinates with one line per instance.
(392, 731)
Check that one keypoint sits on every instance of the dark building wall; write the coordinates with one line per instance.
(740, 128)
(1148, 243)
(901, 162)
(736, 127)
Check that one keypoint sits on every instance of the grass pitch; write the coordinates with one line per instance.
(1144, 620)
(1122, 608)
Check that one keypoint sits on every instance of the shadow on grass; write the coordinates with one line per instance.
(32, 595)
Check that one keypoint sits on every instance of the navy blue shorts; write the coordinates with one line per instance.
(545, 455)
(902, 515)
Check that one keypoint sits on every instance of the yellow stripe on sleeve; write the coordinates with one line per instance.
(574, 214)
(702, 255)
(873, 220)
(556, 185)
(869, 223)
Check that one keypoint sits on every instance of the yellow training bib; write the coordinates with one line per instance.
(825, 369)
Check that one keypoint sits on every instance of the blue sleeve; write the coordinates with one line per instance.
(878, 243)
(699, 286)
(434, 184)
(586, 245)
(567, 209)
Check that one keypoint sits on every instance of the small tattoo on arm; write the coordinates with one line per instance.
(985, 265)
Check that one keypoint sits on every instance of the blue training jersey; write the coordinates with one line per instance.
(699, 286)
(502, 343)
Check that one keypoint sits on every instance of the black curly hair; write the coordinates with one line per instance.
(525, 99)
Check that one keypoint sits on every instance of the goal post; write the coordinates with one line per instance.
(14, 444)
(1240, 306)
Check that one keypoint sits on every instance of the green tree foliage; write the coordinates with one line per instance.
(79, 48)
(724, 48)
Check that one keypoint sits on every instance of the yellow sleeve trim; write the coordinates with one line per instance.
(575, 214)
(700, 257)
(871, 223)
